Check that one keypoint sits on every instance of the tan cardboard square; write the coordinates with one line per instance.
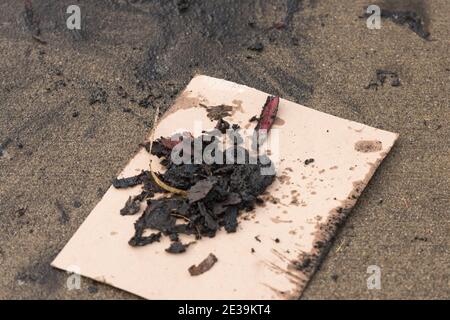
(277, 246)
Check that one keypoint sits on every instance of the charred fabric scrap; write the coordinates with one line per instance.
(216, 194)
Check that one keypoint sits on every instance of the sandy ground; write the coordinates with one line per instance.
(59, 152)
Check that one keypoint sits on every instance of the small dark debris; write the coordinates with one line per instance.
(280, 25)
(304, 264)
(174, 237)
(31, 19)
(308, 161)
(182, 5)
(230, 219)
(319, 245)
(121, 92)
(64, 217)
(222, 126)
(395, 82)
(334, 277)
(277, 240)
(417, 238)
(92, 289)
(253, 250)
(204, 266)
(60, 84)
(145, 103)
(75, 114)
(409, 18)
(40, 272)
(100, 192)
(140, 240)
(257, 238)
(77, 204)
(201, 189)
(177, 247)
(293, 6)
(98, 95)
(132, 206)
(21, 211)
(39, 39)
(129, 182)
(381, 77)
(217, 113)
(258, 47)
(58, 72)
(254, 119)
